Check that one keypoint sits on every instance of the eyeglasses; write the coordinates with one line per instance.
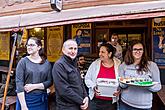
(30, 45)
(136, 49)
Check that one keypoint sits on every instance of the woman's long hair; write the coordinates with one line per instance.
(129, 59)
(41, 51)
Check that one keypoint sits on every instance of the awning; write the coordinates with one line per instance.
(88, 14)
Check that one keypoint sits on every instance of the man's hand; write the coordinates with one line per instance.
(85, 103)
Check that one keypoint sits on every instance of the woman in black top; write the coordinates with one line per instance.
(33, 77)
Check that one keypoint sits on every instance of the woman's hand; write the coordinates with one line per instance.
(29, 87)
(117, 93)
(96, 91)
(24, 108)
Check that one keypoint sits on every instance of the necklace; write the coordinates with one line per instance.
(108, 65)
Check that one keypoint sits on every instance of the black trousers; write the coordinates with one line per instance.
(99, 104)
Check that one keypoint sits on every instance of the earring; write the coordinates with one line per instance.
(109, 55)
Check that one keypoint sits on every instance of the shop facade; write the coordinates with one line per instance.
(142, 20)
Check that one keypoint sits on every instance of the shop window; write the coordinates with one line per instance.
(127, 31)
(134, 37)
(21, 44)
(102, 34)
(37, 32)
(125, 39)
(21, 48)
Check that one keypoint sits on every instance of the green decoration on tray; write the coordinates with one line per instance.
(144, 83)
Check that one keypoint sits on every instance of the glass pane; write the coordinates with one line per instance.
(102, 34)
(134, 37)
(21, 44)
(122, 40)
(37, 32)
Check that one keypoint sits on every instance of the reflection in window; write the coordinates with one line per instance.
(125, 39)
(37, 32)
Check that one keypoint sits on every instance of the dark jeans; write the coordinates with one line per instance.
(98, 104)
(123, 106)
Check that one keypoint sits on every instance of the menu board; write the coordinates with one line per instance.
(54, 42)
(84, 40)
(4, 45)
(158, 26)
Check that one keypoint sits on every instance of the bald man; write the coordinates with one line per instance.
(70, 91)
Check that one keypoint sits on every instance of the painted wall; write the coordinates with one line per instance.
(86, 3)
(13, 7)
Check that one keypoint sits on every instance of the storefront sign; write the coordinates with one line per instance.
(54, 42)
(83, 40)
(158, 22)
(159, 41)
(4, 45)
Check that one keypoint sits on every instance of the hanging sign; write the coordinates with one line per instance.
(158, 26)
(82, 34)
(54, 42)
(4, 45)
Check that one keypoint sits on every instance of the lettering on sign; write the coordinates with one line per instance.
(85, 25)
(161, 24)
(158, 22)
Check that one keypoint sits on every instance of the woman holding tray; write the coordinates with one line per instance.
(104, 67)
(137, 66)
